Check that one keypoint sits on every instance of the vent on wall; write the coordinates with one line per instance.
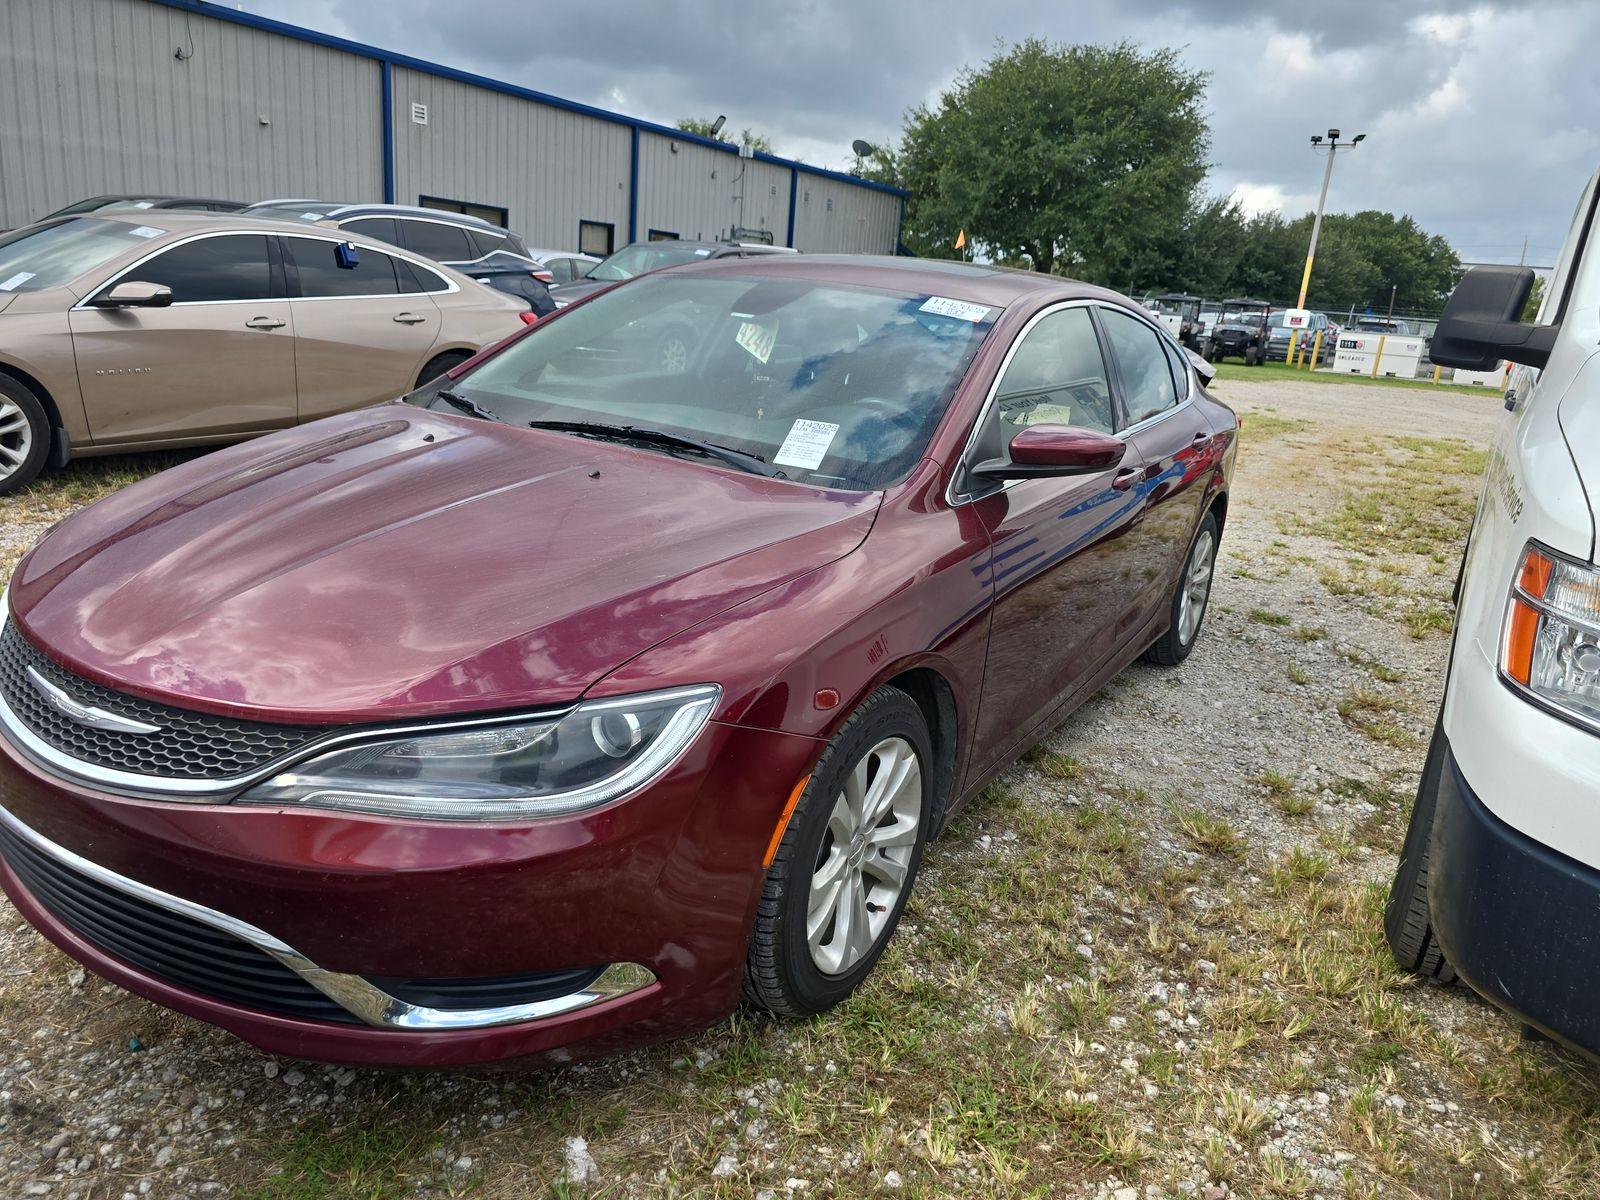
(419, 113)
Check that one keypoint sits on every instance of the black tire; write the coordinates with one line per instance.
(1406, 919)
(1172, 647)
(1209, 353)
(1252, 357)
(439, 364)
(24, 435)
(780, 973)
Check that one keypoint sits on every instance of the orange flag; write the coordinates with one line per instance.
(961, 240)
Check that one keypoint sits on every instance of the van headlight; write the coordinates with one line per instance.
(601, 750)
(1551, 645)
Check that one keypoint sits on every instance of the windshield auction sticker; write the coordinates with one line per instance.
(16, 281)
(146, 231)
(807, 444)
(959, 309)
(759, 339)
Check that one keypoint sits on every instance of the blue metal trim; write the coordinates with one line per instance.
(633, 188)
(388, 131)
(794, 195)
(361, 49)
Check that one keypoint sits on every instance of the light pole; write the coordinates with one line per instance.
(1334, 146)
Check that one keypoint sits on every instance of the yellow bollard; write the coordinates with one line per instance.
(1437, 371)
(1316, 351)
(1378, 358)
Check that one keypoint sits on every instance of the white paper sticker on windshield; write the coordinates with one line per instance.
(758, 339)
(702, 253)
(311, 216)
(143, 204)
(807, 444)
(16, 281)
(147, 231)
(959, 309)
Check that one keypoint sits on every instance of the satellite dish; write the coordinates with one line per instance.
(863, 149)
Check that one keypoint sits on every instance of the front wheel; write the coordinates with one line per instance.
(1189, 598)
(1209, 353)
(846, 863)
(1407, 922)
(439, 364)
(24, 435)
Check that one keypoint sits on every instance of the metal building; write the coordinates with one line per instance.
(185, 97)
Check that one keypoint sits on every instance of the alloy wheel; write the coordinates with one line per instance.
(865, 856)
(1196, 586)
(16, 436)
(672, 355)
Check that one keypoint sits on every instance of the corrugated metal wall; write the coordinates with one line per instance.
(547, 167)
(93, 100)
(694, 191)
(841, 218)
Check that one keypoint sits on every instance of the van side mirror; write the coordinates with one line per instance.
(1480, 327)
(134, 294)
(1046, 451)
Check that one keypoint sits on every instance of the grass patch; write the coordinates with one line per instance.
(1278, 372)
(1210, 833)
(1297, 674)
(378, 1162)
(1372, 713)
(1262, 616)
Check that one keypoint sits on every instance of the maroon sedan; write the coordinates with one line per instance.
(553, 708)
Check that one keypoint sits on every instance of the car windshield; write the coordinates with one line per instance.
(45, 256)
(636, 260)
(835, 386)
(1247, 317)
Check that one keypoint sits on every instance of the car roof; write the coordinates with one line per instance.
(977, 283)
(542, 252)
(340, 209)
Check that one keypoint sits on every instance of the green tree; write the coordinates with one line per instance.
(1080, 159)
(1530, 310)
(703, 129)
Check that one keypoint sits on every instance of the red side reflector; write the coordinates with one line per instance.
(529, 318)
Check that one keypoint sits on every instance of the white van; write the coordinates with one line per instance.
(1499, 879)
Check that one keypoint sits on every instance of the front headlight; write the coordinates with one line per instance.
(599, 751)
(1551, 645)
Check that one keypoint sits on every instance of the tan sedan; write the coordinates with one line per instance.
(146, 330)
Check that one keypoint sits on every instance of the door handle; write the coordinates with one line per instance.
(264, 323)
(1123, 479)
(1201, 441)
(409, 318)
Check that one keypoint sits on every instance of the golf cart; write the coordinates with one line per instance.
(1180, 314)
(1241, 331)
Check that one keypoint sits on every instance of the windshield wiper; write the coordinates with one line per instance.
(742, 459)
(467, 405)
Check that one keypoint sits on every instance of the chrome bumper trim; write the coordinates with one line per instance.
(351, 992)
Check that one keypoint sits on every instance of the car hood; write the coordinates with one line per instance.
(396, 562)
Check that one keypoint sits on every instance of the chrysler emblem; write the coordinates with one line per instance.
(84, 714)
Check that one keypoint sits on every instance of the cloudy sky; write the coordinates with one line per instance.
(1482, 120)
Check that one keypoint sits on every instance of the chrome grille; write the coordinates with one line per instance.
(189, 745)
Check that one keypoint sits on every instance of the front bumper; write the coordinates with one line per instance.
(1515, 918)
(644, 905)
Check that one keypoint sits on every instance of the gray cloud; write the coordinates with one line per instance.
(1478, 115)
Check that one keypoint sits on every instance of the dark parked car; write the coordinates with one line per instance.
(1278, 336)
(636, 258)
(552, 710)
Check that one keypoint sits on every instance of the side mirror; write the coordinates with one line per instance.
(1207, 371)
(1047, 451)
(134, 294)
(1480, 327)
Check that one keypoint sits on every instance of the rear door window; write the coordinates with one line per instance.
(1147, 385)
(436, 240)
(381, 228)
(414, 277)
(233, 266)
(484, 242)
(324, 272)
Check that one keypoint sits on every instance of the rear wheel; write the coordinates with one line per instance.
(439, 364)
(24, 435)
(1189, 599)
(846, 863)
(1406, 920)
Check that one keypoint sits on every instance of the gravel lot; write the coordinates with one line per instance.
(1148, 962)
